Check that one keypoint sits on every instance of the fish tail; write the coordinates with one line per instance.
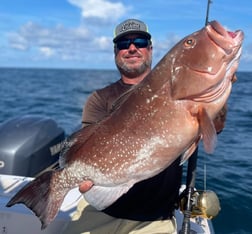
(41, 196)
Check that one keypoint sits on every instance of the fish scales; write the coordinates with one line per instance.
(152, 125)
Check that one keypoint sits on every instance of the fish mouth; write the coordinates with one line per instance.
(227, 40)
(231, 44)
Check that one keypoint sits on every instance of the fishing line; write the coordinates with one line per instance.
(205, 173)
(206, 23)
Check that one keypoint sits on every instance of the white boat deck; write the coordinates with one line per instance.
(20, 220)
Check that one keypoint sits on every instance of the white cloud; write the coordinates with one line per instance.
(247, 57)
(247, 53)
(36, 34)
(100, 9)
(18, 42)
(58, 41)
(47, 51)
(162, 46)
(103, 42)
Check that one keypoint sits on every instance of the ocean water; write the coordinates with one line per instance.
(61, 94)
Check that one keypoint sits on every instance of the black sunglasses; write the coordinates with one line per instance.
(138, 42)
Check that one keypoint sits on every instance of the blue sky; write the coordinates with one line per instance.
(78, 33)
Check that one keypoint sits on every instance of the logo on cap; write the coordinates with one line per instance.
(130, 26)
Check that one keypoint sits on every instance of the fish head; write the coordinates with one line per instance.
(204, 63)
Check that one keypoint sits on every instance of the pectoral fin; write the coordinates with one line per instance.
(208, 131)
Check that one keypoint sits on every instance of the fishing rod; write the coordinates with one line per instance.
(186, 197)
(207, 12)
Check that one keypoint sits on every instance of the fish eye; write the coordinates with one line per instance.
(189, 42)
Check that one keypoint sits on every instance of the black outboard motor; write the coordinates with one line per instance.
(28, 145)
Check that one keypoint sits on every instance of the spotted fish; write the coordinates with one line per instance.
(158, 120)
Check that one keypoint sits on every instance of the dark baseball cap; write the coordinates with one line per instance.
(130, 26)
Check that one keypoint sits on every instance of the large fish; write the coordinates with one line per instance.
(153, 124)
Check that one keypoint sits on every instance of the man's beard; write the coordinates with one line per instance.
(133, 72)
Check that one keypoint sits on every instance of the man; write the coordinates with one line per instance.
(148, 207)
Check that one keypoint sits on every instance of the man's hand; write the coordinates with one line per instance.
(85, 186)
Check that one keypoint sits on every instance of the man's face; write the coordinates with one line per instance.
(133, 61)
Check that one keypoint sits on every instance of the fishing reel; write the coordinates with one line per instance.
(204, 204)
